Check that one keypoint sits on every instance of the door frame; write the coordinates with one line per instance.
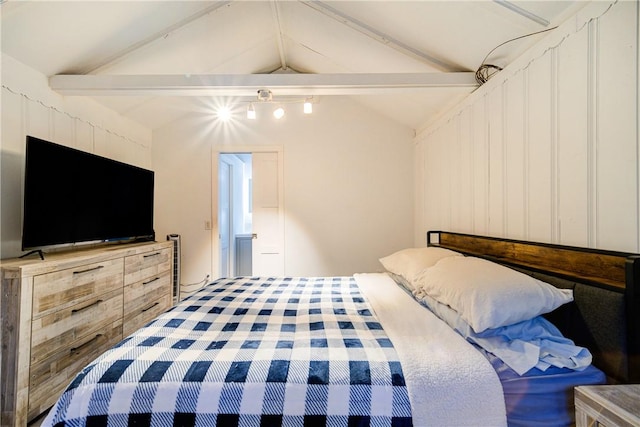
(215, 158)
(230, 213)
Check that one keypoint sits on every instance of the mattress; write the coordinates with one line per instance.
(542, 398)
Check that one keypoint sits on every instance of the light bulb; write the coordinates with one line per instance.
(278, 113)
(308, 107)
(224, 114)
(251, 112)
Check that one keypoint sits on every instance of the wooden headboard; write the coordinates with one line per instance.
(605, 314)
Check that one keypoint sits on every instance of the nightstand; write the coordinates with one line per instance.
(608, 405)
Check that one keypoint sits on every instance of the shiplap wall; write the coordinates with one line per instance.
(29, 107)
(547, 150)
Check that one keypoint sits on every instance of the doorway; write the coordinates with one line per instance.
(235, 213)
(259, 196)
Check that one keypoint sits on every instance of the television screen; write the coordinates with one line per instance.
(71, 196)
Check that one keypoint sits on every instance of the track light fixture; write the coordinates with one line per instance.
(265, 96)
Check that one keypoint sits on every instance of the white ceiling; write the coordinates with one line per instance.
(383, 40)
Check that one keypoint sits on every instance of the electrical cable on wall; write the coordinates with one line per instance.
(196, 285)
(486, 71)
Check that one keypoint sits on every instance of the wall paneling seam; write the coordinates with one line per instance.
(592, 134)
(505, 160)
(24, 117)
(525, 149)
(487, 151)
(637, 4)
(472, 166)
(555, 196)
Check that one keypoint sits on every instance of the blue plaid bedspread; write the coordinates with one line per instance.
(248, 352)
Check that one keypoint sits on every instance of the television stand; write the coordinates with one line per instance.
(35, 251)
(59, 314)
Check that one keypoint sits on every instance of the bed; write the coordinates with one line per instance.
(374, 348)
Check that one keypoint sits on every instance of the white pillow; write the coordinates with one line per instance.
(488, 295)
(409, 262)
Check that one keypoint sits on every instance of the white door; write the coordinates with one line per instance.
(268, 215)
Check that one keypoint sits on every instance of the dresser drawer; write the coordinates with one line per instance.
(139, 294)
(140, 316)
(52, 375)
(60, 289)
(142, 266)
(62, 329)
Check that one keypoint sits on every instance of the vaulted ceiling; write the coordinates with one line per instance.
(153, 61)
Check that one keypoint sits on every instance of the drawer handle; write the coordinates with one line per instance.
(150, 255)
(75, 349)
(150, 307)
(77, 310)
(151, 281)
(88, 270)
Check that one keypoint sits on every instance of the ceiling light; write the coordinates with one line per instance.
(278, 113)
(224, 114)
(265, 96)
(251, 112)
(308, 106)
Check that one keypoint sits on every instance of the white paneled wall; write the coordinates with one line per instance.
(547, 150)
(30, 108)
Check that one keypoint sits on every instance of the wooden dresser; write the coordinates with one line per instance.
(60, 313)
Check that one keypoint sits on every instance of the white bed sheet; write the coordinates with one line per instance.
(449, 382)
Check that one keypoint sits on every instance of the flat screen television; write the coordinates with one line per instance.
(73, 197)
